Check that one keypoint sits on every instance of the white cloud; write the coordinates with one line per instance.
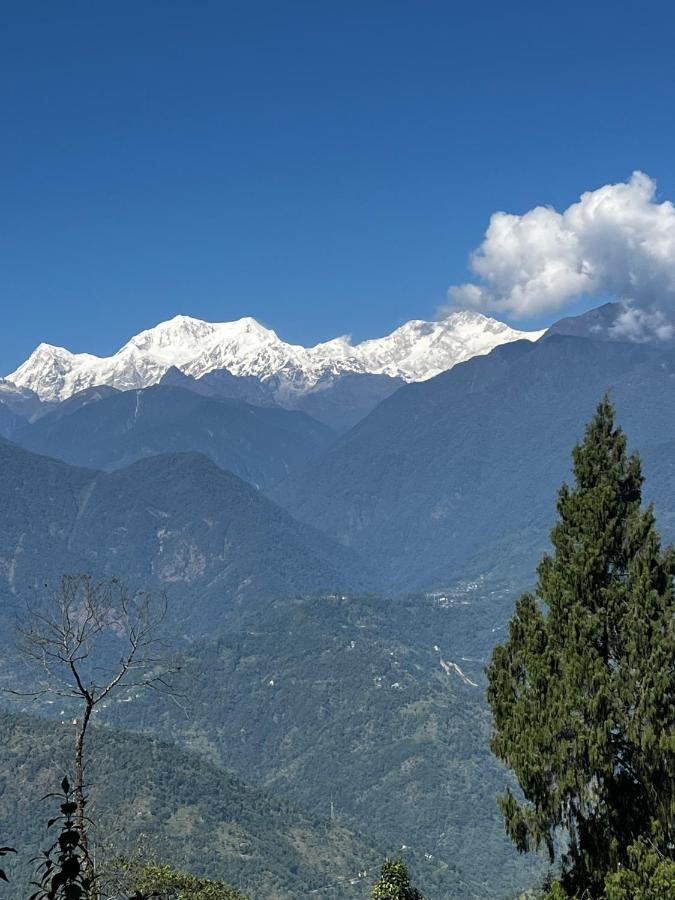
(616, 241)
(636, 324)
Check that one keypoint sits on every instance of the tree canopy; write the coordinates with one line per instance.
(165, 882)
(394, 883)
(583, 690)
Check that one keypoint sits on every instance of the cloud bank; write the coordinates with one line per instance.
(617, 241)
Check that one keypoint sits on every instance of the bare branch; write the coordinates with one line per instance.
(88, 639)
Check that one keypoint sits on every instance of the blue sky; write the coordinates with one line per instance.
(324, 167)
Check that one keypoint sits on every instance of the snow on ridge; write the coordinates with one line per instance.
(416, 351)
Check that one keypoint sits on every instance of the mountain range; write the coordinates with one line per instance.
(338, 571)
(414, 352)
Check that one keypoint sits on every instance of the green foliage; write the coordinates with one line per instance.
(167, 883)
(583, 691)
(65, 871)
(394, 883)
(556, 892)
(647, 875)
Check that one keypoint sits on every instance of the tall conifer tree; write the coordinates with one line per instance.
(583, 690)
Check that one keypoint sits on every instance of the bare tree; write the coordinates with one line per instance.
(88, 640)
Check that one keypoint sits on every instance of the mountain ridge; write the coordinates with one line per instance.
(415, 351)
(259, 444)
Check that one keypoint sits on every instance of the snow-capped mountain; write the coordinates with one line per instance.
(20, 400)
(416, 351)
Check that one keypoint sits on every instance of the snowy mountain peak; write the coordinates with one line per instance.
(415, 351)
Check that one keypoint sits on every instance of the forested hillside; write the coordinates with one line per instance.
(173, 521)
(362, 708)
(152, 798)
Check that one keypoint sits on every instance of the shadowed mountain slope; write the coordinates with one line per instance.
(337, 401)
(459, 474)
(10, 422)
(261, 445)
(173, 521)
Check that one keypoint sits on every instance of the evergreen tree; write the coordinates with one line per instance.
(394, 883)
(649, 875)
(583, 690)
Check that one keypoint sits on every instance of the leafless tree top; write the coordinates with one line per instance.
(88, 637)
